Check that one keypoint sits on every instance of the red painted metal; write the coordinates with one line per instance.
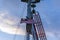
(39, 27)
(29, 21)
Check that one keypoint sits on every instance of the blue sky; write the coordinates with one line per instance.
(11, 11)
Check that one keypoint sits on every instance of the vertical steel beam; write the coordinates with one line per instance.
(30, 27)
(34, 32)
(29, 16)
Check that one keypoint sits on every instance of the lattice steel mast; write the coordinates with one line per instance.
(33, 22)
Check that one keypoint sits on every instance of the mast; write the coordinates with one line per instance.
(29, 16)
(32, 24)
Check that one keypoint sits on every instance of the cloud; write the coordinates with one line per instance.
(53, 35)
(11, 30)
(9, 24)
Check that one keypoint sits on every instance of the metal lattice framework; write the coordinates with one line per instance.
(39, 27)
(33, 22)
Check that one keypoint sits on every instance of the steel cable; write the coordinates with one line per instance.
(14, 38)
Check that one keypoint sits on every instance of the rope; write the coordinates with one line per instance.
(14, 38)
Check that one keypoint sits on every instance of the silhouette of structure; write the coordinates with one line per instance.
(33, 22)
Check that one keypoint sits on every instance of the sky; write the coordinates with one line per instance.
(11, 11)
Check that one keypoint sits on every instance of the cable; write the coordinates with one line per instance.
(14, 38)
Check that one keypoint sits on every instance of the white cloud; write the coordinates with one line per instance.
(8, 25)
(11, 30)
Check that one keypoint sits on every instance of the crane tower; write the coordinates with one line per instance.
(33, 22)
